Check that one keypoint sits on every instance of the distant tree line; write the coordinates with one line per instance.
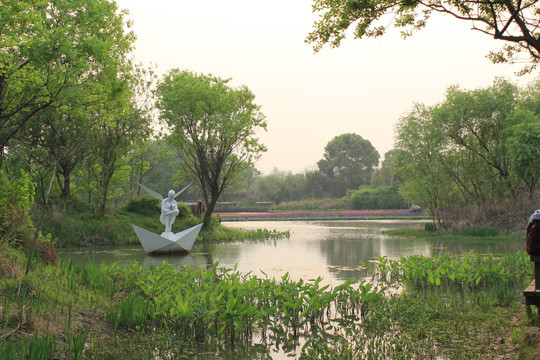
(349, 169)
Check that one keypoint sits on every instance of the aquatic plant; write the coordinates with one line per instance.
(233, 234)
(230, 306)
(498, 274)
(481, 231)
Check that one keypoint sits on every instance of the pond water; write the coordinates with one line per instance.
(333, 250)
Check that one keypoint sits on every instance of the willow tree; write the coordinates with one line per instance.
(420, 162)
(525, 136)
(523, 148)
(476, 123)
(213, 129)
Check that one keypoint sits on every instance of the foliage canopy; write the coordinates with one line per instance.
(350, 158)
(52, 46)
(513, 21)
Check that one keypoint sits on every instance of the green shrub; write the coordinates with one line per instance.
(149, 206)
(384, 197)
(144, 205)
(213, 226)
(185, 211)
(16, 199)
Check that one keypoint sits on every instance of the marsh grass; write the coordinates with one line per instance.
(56, 305)
(35, 348)
(497, 274)
(481, 231)
(76, 343)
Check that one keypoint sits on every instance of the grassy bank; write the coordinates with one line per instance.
(448, 307)
(76, 224)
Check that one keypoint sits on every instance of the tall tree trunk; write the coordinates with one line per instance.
(211, 204)
(209, 210)
(103, 205)
(66, 191)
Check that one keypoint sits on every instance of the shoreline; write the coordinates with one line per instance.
(322, 215)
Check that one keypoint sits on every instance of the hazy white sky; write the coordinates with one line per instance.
(363, 87)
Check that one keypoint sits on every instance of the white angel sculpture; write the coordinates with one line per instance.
(167, 242)
(169, 206)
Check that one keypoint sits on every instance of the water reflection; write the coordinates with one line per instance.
(175, 260)
(108, 255)
(332, 249)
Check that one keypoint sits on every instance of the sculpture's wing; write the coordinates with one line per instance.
(151, 192)
(181, 191)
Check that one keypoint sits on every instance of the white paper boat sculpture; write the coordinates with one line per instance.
(167, 242)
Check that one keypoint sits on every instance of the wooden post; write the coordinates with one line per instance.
(536, 260)
(532, 292)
